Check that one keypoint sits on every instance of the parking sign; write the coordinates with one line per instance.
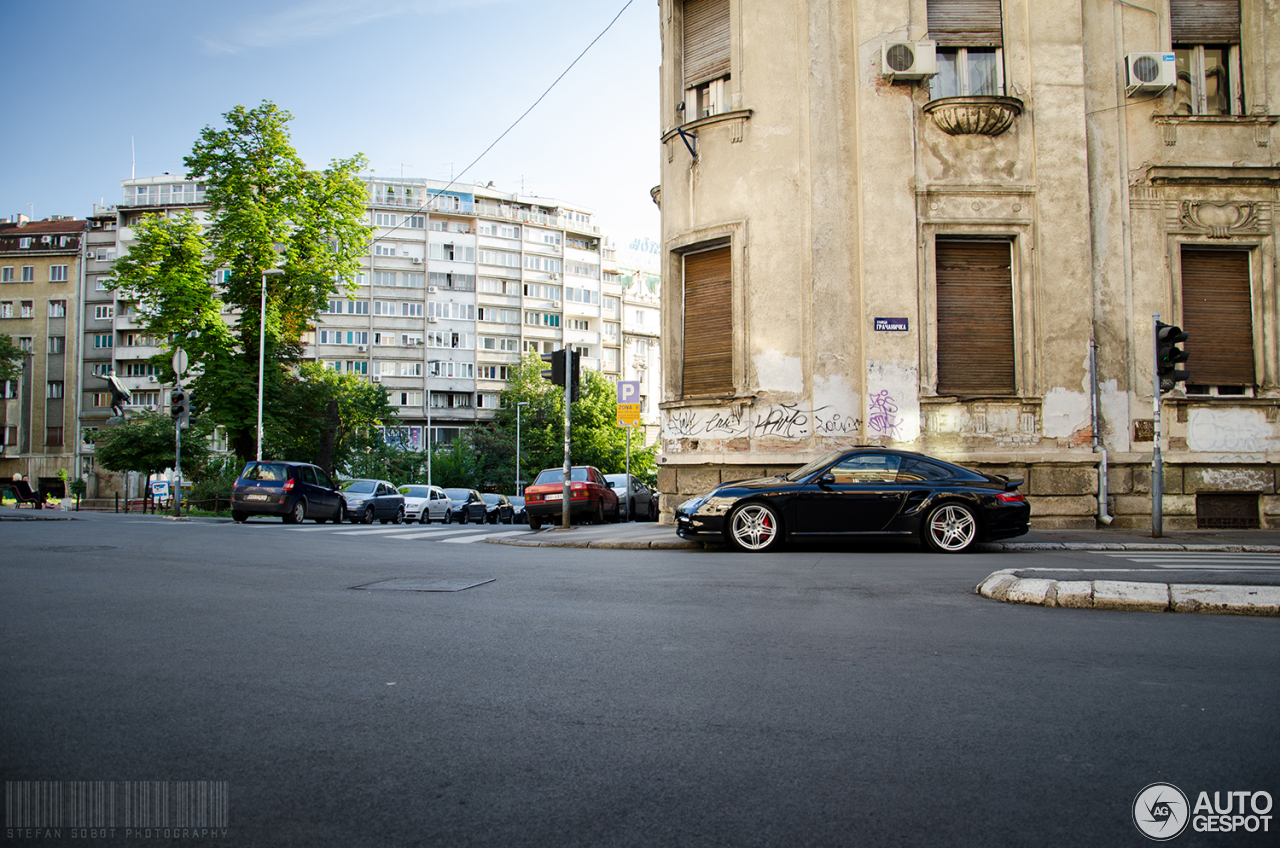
(629, 405)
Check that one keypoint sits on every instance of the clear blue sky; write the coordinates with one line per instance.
(419, 86)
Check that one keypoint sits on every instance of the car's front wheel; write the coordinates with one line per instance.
(951, 528)
(425, 517)
(465, 517)
(368, 514)
(755, 528)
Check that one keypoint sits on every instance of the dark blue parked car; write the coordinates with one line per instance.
(292, 490)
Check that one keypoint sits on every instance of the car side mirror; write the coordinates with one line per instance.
(609, 484)
(827, 480)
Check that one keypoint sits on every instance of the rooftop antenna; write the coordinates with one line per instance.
(133, 160)
(402, 169)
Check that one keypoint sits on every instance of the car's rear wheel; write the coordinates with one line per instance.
(297, 513)
(448, 516)
(755, 528)
(951, 528)
(399, 519)
(598, 518)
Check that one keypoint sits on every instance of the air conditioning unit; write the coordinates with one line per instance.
(417, 260)
(362, 348)
(432, 289)
(907, 60)
(46, 239)
(555, 304)
(153, 379)
(1149, 72)
(432, 319)
(377, 378)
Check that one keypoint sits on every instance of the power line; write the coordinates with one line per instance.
(541, 97)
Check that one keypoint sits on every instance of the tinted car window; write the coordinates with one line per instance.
(266, 471)
(322, 479)
(913, 470)
(414, 491)
(359, 487)
(867, 468)
(308, 474)
(458, 494)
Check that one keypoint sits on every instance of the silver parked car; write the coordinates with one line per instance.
(424, 504)
(370, 499)
(639, 502)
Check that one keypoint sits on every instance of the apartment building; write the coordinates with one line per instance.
(921, 223)
(40, 275)
(458, 283)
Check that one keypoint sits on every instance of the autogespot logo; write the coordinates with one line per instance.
(1160, 811)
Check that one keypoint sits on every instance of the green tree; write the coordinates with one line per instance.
(266, 211)
(595, 438)
(11, 357)
(328, 418)
(146, 444)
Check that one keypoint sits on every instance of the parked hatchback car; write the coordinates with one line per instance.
(424, 504)
(367, 500)
(518, 515)
(866, 492)
(465, 505)
(638, 501)
(590, 497)
(498, 509)
(292, 490)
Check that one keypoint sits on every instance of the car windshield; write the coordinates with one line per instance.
(359, 487)
(556, 475)
(458, 494)
(415, 491)
(817, 464)
(618, 480)
(266, 471)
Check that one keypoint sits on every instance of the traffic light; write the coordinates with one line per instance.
(575, 376)
(1169, 356)
(556, 372)
(180, 407)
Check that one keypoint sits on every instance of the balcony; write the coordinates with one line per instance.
(989, 116)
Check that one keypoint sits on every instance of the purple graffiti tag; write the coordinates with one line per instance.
(883, 420)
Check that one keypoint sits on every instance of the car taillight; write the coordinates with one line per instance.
(288, 485)
(1011, 497)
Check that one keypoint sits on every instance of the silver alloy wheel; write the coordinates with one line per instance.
(298, 513)
(754, 527)
(368, 514)
(952, 528)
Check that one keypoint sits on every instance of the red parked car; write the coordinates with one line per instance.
(590, 497)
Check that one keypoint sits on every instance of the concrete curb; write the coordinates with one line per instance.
(1006, 585)
(603, 544)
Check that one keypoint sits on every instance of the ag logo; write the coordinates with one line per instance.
(1160, 811)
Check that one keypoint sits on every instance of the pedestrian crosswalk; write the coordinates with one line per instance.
(414, 532)
(1200, 560)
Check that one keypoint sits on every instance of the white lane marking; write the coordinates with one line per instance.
(372, 532)
(426, 534)
(1201, 560)
(466, 540)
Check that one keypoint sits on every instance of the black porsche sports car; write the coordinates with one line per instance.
(866, 491)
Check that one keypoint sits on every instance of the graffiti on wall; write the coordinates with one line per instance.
(776, 421)
(1233, 431)
(705, 424)
(884, 419)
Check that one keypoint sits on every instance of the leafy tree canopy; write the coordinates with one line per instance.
(146, 444)
(266, 212)
(328, 418)
(11, 357)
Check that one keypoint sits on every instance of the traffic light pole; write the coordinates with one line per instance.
(177, 465)
(564, 489)
(1157, 464)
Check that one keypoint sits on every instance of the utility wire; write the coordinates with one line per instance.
(542, 97)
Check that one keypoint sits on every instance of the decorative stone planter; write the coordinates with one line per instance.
(974, 115)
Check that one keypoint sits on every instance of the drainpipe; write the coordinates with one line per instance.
(1103, 517)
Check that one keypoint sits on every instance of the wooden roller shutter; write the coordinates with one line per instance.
(965, 23)
(1217, 314)
(706, 41)
(1205, 21)
(708, 323)
(975, 318)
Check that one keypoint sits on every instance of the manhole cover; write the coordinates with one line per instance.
(80, 549)
(428, 584)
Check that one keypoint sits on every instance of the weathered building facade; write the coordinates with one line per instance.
(921, 223)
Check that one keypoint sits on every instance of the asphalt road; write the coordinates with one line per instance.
(824, 696)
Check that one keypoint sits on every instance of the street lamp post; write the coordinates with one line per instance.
(519, 488)
(262, 338)
(430, 362)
